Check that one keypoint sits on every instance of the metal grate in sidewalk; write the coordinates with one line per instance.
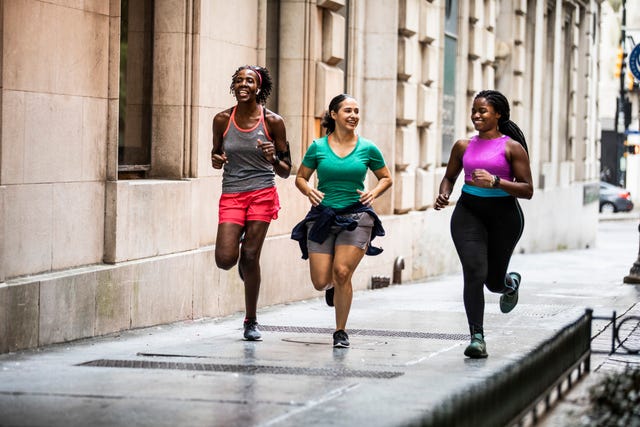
(367, 332)
(242, 369)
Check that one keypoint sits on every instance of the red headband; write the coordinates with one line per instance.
(255, 70)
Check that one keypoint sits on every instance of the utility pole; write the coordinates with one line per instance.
(622, 101)
(634, 273)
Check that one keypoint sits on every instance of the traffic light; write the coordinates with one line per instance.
(630, 148)
(617, 71)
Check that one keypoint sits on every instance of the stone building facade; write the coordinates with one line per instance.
(108, 202)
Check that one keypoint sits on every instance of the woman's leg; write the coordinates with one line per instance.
(254, 235)
(504, 234)
(470, 239)
(320, 270)
(345, 261)
(228, 244)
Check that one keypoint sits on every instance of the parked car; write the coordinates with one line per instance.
(614, 199)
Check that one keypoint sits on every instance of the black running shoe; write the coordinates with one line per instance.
(477, 349)
(251, 331)
(340, 339)
(509, 299)
(328, 296)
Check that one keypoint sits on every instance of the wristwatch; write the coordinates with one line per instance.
(496, 181)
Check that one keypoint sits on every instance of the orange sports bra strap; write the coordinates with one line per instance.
(264, 123)
(231, 119)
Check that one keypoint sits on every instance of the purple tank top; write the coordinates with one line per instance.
(487, 154)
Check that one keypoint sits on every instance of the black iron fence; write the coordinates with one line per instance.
(625, 333)
(515, 393)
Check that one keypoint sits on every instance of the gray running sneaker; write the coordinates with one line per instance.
(251, 331)
(509, 299)
(477, 349)
(340, 339)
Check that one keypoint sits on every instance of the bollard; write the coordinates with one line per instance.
(398, 266)
(634, 273)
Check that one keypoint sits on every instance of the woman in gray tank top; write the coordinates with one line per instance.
(250, 144)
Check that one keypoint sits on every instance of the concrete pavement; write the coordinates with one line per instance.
(406, 356)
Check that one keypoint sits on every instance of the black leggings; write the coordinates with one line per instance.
(485, 231)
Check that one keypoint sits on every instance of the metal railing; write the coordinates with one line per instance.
(625, 326)
(509, 396)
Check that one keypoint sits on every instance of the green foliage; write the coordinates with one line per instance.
(615, 402)
(615, 4)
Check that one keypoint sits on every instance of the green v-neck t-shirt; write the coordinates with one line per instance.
(340, 177)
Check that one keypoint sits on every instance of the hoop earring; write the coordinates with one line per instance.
(257, 91)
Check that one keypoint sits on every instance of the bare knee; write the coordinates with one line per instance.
(341, 274)
(225, 264)
(321, 280)
(225, 261)
(322, 285)
(249, 258)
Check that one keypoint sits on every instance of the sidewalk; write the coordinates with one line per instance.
(406, 356)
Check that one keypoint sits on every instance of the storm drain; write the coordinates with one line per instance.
(368, 332)
(241, 369)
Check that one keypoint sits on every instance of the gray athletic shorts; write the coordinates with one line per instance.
(359, 237)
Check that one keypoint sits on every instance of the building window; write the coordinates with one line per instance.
(136, 82)
(344, 12)
(449, 83)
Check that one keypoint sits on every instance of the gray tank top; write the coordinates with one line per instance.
(247, 169)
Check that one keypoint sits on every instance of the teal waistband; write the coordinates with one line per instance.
(484, 192)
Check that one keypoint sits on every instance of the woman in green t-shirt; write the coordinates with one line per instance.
(337, 231)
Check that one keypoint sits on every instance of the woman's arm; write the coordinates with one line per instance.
(302, 183)
(220, 122)
(279, 154)
(454, 166)
(384, 182)
(522, 187)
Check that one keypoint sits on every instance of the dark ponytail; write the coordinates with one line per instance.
(500, 104)
(327, 121)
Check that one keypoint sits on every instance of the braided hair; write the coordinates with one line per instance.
(329, 122)
(500, 104)
(265, 84)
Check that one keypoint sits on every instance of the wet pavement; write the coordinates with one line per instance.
(405, 357)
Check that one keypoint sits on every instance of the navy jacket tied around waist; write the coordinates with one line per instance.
(326, 217)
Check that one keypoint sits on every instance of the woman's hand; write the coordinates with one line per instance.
(441, 201)
(302, 183)
(482, 178)
(384, 182)
(268, 150)
(315, 196)
(366, 197)
(218, 160)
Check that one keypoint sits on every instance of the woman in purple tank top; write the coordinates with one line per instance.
(487, 221)
(250, 143)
